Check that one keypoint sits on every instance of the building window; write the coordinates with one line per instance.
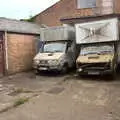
(86, 4)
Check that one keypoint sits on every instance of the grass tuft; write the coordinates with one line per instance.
(20, 101)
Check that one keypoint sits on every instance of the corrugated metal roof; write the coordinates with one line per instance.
(12, 25)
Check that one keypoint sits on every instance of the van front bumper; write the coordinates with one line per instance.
(94, 68)
(48, 68)
(93, 72)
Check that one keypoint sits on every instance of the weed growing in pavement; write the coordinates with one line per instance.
(20, 101)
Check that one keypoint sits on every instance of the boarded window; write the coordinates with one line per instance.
(86, 3)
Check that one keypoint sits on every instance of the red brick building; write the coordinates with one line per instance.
(66, 9)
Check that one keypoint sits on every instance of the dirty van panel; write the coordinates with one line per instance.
(58, 33)
(97, 31)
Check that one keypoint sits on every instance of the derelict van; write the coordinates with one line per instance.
(58, 52)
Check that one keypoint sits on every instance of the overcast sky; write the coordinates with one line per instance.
(20, 9)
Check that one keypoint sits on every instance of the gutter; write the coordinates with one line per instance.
(6, 52)
(89, 18)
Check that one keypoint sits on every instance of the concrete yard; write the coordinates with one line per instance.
(57, 97)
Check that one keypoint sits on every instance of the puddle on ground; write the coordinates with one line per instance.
(55, 90)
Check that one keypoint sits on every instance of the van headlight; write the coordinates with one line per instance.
(53, 62)
(36, 61)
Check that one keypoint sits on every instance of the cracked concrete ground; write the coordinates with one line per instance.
(55, 97)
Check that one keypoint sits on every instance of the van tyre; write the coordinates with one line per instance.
(36, 72)
(64, 69)
(114, 72)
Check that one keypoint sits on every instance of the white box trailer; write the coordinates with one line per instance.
(97, 31)
(57, 33)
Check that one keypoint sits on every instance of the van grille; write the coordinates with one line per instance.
(43, 62)
(94, 66)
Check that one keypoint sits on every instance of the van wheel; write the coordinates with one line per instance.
(114, 73)
(36, 72)
(64, 69)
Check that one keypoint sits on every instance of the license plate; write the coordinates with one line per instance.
(93, 73)
(42, 68)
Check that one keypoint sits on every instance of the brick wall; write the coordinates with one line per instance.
(68, 8)
(104, 7)
(64, 8)
(117, 6)
(21, 50)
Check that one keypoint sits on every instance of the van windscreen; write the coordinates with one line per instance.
(54, 47)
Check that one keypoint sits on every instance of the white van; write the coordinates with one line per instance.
(58, 52)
